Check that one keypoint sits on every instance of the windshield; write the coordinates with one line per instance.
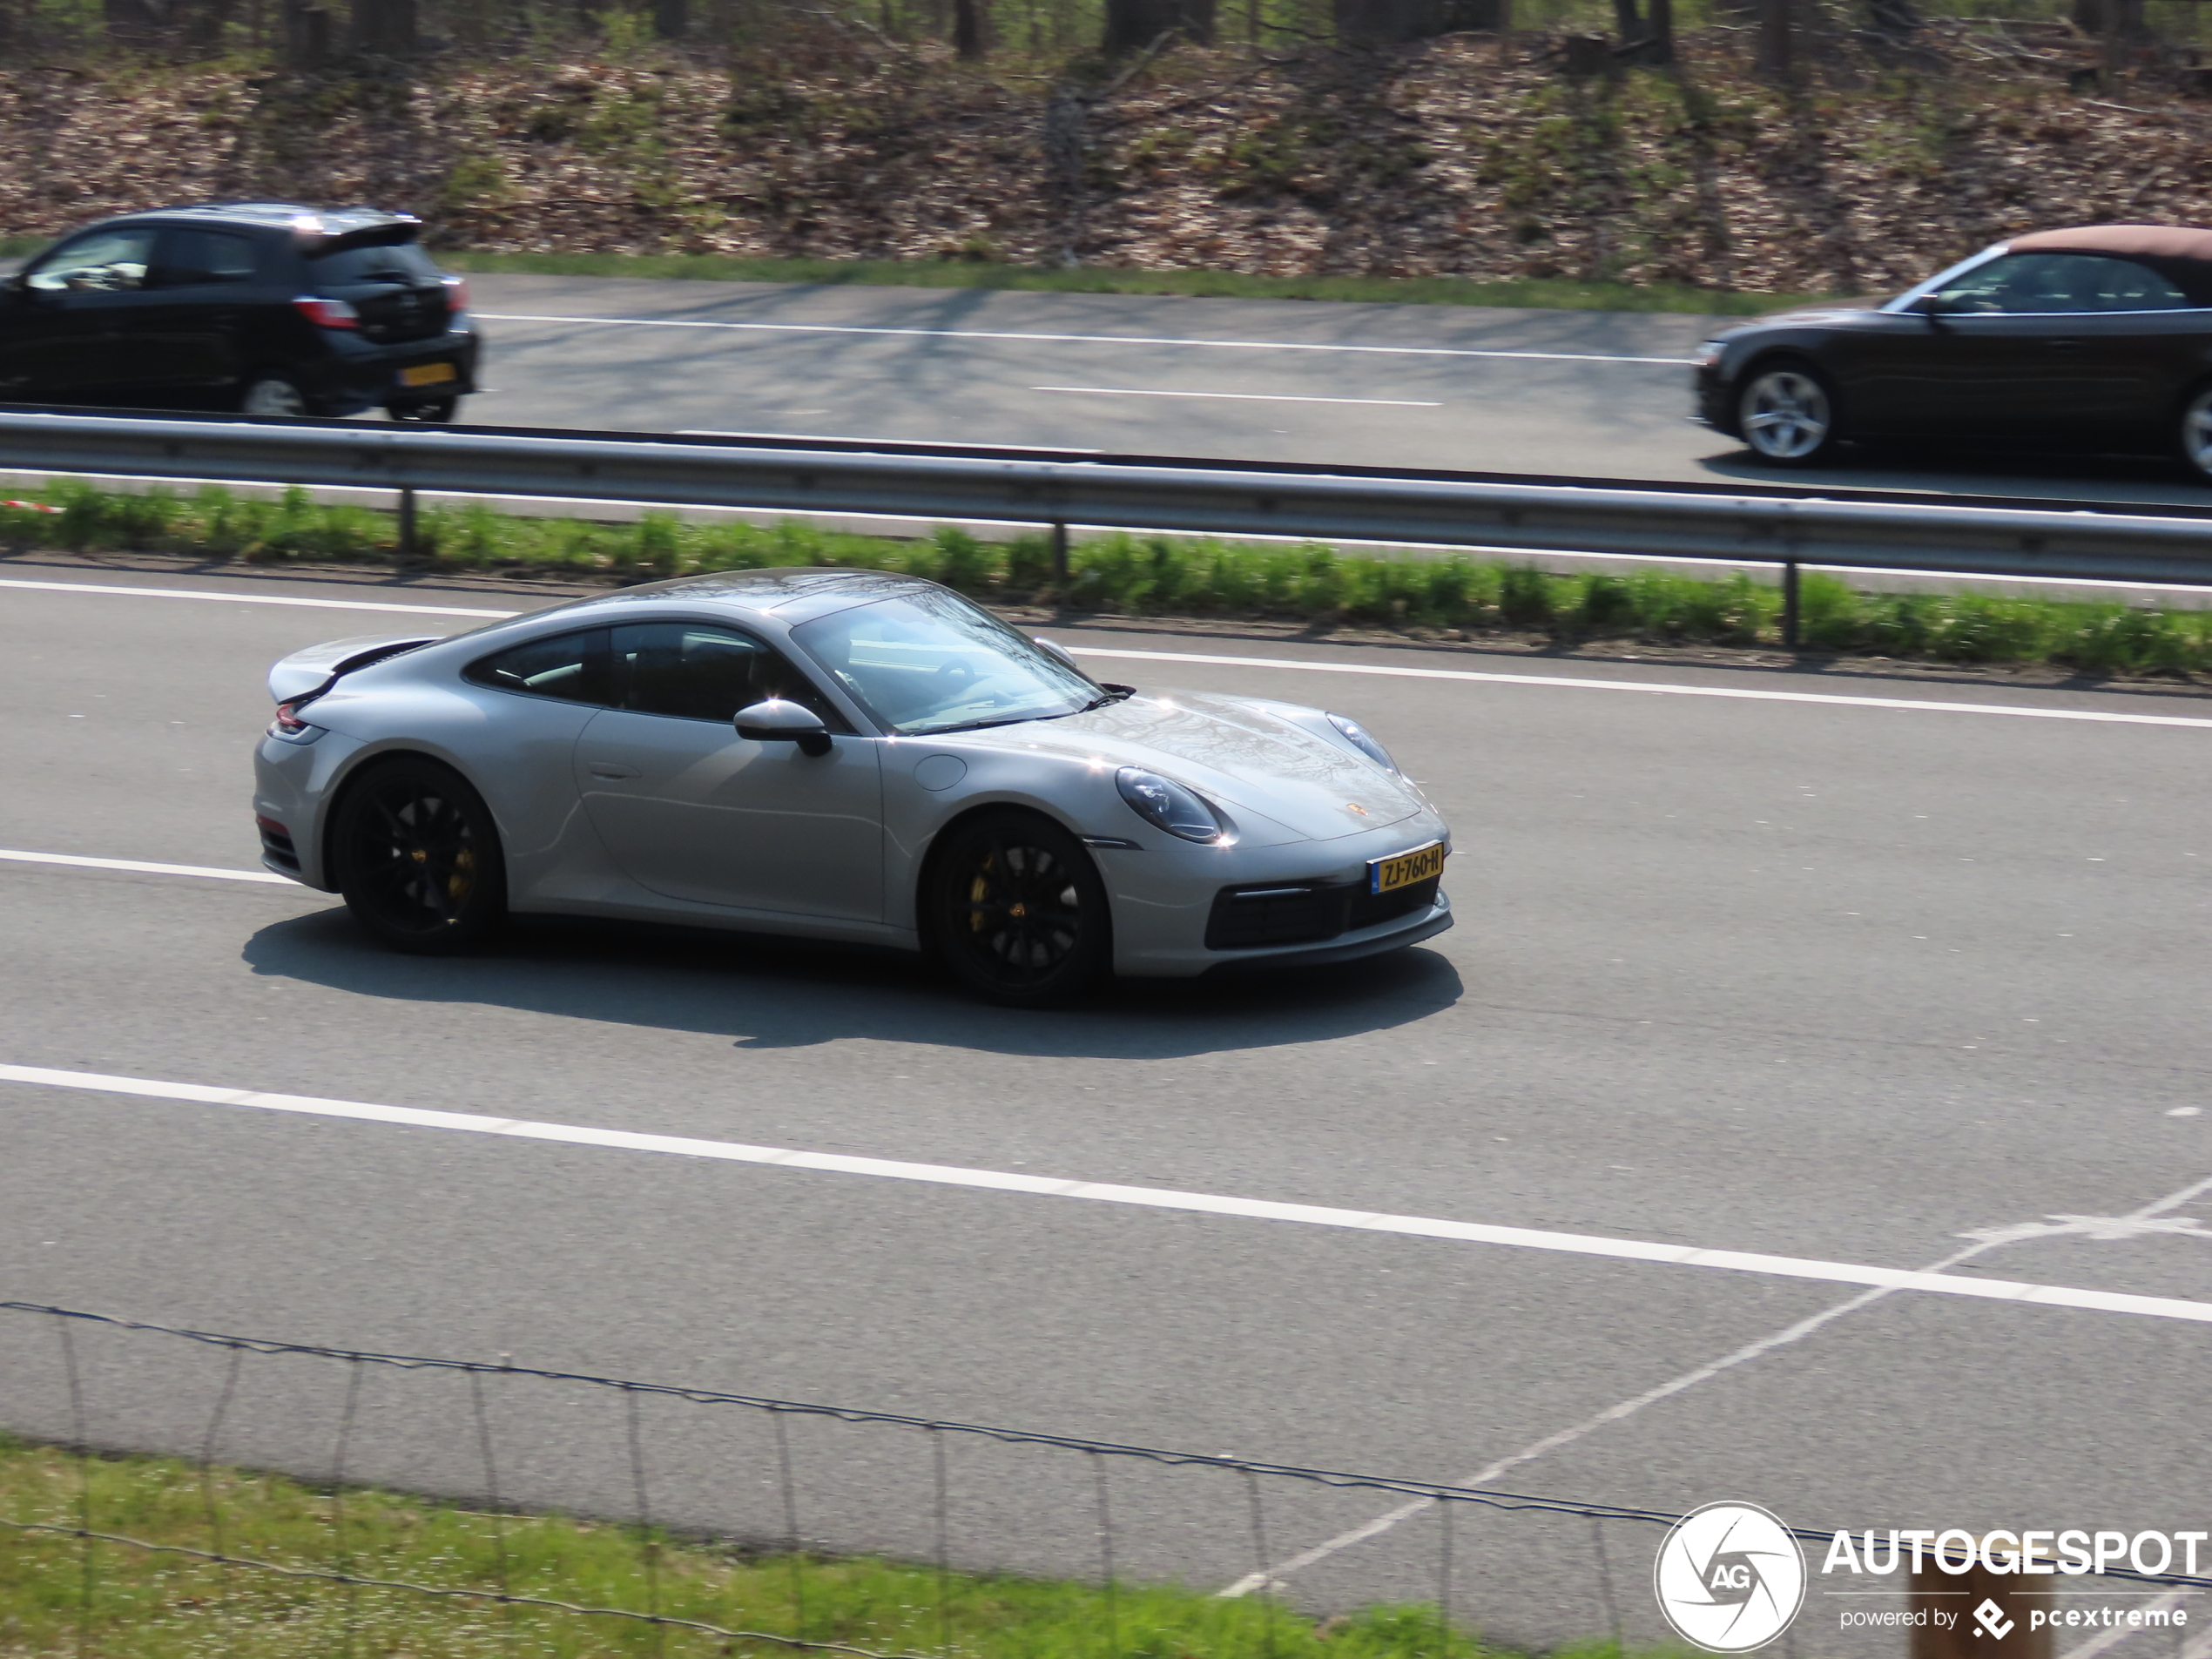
(929, 661)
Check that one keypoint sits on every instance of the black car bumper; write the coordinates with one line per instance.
(1714, 400)
(360, 374)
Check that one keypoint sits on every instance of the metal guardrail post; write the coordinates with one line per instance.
(407, 525)
(1060, 552)
(1790, 614)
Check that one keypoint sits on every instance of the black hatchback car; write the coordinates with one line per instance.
(270, 308)
(2092, 339)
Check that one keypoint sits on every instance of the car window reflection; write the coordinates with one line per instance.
(699, 671)
(933, 662)
(105, 262)
(2031, 284)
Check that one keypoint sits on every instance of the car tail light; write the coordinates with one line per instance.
(287, 721)
(326, 314)
(458, 293)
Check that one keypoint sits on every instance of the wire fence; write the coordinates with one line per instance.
(814, 1507)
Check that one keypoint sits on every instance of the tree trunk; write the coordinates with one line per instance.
(1131, 26)
(671, 18)
(1659, 33)
(135, 21)
(306, 37)
(385, 27)
(1774, 39)
(967, 30)
(1385, 22)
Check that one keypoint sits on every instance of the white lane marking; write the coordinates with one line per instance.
(249, 598)
(1657, 688)
(1239, 397)
(1086, 339)
(1992, 1239)
(205, 872)
(1888, 1278)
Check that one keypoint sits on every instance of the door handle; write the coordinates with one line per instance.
(611, 770)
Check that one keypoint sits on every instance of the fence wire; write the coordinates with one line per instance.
(1105, 1523)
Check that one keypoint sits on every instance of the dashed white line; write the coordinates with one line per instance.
(1239, 397)
(1166, 1198)
(1084, 340)
(203, 872)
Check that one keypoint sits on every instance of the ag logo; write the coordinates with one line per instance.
(1729, 1577)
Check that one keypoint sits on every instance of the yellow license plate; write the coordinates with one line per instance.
(1420, 864)
(427, 375)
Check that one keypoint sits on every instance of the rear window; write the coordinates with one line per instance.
(349, 268)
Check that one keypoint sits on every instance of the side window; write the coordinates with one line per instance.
(572, 667)
(701, 671)
(2030, 284)
(103, 262)
(203, 258)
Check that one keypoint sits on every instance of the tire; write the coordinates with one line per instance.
(2193, 433)
(273, 396)
(1014, 907)
(417, 858)
(437, 412)
(1788, 415)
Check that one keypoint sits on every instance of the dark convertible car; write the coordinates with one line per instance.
(2098, 339)
(270, 308)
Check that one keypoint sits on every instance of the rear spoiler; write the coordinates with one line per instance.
(399, 228)
(307, 674)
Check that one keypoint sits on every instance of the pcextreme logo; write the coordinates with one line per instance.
(1729, 1577)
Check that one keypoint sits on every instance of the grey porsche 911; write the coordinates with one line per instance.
(840, 755)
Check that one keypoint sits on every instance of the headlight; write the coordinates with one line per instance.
(1167, 805)
(1357, 735)
(1709, 354)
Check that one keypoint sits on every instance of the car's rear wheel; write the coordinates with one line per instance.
(2193, 434)
(267, 396)
(1788, 415)
(1013, 905)
(437, 411)
(417, 857)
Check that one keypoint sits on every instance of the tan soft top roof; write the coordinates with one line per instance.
(2152, 241)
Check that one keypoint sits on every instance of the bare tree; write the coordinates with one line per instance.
(1774, 39)
(386, 27)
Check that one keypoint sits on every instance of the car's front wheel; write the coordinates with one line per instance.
(274, 394)
(1787, 415)
(2193, 437)
(1015, 907)
(417, 858)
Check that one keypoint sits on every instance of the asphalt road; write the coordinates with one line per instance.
(1833, 982)
(1578, 394)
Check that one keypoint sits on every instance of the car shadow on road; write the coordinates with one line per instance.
(778, 993)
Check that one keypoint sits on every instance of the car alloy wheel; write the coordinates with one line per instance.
(268, 395)
(1787, 415)
(418, 859)
(1016, 909)
(2196, 434)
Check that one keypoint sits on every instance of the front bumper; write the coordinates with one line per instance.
(1167, 901)
(1714, 400)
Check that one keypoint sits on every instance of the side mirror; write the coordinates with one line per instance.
(778, 721)
(1930, 306)
(1052, 648)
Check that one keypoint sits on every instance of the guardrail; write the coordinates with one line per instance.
(1520, 516)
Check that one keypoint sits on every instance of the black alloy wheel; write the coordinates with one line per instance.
(417, 857)
(1014, 906)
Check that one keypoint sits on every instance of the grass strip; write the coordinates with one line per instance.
(1157, 575)
(150, 1605)
(1558, 293)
